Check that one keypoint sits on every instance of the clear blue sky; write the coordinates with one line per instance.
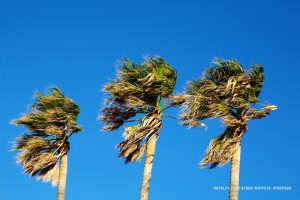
(75, 45)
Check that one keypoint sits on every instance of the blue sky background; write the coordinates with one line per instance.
(75, 45)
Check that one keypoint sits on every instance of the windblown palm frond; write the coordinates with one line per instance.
(136, 137)
(256, 81)
(223, 70)
(226, 90)
(51, 121)
(221, 149)
(139, 89)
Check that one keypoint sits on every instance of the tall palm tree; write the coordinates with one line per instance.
(226, 90)
(143, 92)
(43, 151)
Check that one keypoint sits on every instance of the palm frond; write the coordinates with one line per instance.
(256, 81)
(222, 148)
(258, 114)
(223, 69)
(136, 137)
(115, 115)
(177, 100)
(164, 75)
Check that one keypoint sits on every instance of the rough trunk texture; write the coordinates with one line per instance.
(150, 150)
(62, 178)
(234, 175)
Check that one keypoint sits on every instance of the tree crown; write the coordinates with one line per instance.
(138, 88)
(50, 122)
(225, 90)
(144, 89)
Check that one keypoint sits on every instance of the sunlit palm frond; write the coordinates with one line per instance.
(220, 151)
(37, 158)
(178, 99)
(222, 148)
(222, 70)
(164, 75)
(253, 113)
(136, 137)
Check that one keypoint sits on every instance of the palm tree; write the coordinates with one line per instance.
(44, 149)
(140, 92)
(226, 90)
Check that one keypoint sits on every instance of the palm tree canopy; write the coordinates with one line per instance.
(138, 88)
(50, 122)
(226, 90)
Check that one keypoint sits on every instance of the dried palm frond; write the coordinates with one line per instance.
(258, 114)
(191, 123)
(50, 175)
(220, 151)
(222, 148)
(116, 114)
(178, 99)
(136, 137)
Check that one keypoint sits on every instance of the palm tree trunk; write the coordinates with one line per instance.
(62, 178)
(150, 150)
(234, 174)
